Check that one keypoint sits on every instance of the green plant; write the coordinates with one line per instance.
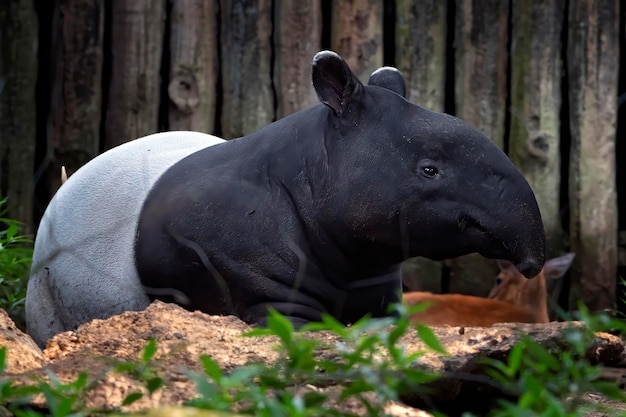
(368, 365)
(67, 399)
(16, 253)
(552, 380)
(143, 371)
(364, 363)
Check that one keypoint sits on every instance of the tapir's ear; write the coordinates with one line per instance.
(334, 83)
(390, 78)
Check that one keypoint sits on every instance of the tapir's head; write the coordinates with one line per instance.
(420, 183)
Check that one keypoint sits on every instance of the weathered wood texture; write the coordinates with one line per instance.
(420, 53)
(421, 46)
(76, 96)
(480, 93)
(481, 62)
(18, 76)
(535, 106)
(357, 36)
(592, 51)
(137, 28)
(192, 88)
(246, 57)
(297, 37)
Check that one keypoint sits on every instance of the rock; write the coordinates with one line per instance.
(22, 353)
(182, 336)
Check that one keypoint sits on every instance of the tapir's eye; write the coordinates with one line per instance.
(428, 168)
(498, 281)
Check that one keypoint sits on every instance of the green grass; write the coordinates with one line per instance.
(16, 253)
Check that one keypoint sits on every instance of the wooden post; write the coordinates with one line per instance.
(246, 66)
(137, 29)
(481, 62)
(75, 108)
(18, 77)
(192, 88)
(421, 56)
(421, 27)
(535, 107)
(593, 48)
(357, 34)
(297, 37)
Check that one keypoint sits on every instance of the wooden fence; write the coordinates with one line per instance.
(541, 78)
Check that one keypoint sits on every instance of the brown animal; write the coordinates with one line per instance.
(513, 299)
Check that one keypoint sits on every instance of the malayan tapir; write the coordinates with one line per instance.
(313, 213)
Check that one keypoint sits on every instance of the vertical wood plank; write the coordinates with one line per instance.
(535, 106)
(481, 37)
(137, 29)
(481, 62)
(246, 66)
(593, 48)
(76, 97)
(18, 76)
(420, 53)
(192, 88)
(297, 37)
(421, 31)
(357, 34)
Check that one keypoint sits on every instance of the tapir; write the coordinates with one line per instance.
(311, 214)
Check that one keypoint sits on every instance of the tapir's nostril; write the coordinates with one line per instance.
(529, 268)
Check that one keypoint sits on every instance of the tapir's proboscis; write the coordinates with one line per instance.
(311, 214)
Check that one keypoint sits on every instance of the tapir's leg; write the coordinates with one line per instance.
(373, 295)
(83, 262)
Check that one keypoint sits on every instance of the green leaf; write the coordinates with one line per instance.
(258, 331)
(63, 407)
(3, 359)
(81, 381)
(428, 336)
(328, 323)
(211, 368)
(132, 397)
(280, 326)
(125, 367)
(207, 389)
(515, 360)
(154, 384)
(11, 231)
(149, 351)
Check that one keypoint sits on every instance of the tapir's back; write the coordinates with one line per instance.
(114, 183)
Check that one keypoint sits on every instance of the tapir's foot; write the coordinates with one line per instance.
(43, 320)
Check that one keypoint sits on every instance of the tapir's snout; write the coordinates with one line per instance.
(530, 268)
(525, 236)
(509, 215)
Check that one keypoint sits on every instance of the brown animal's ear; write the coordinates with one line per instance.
(390, 78)
(555, 268)
(334, 82)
